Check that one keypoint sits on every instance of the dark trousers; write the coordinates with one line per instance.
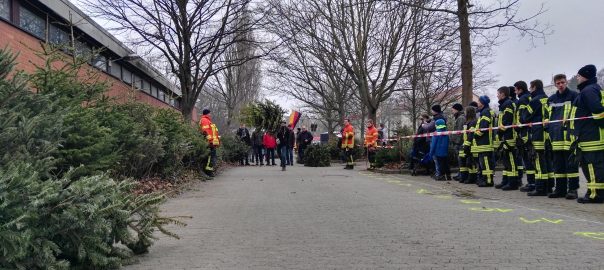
(349, 156)
(301, 153)
(510, 169)
(290, 155)
(592, 165)
(443, 165)
(542, 171)
(211, 163)
(282, 155)
(565, 172)
(528, 166)
(485, 163)
(258, 156)
(468, 167)
(245, 159)
(270, 156)
(371, 157)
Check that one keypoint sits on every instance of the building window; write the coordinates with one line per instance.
(116, 70)
(82, 49)
(32, 23)
(147, 86)
(126, 76)
(5, 9)
(58, 36)
(162, 96)
(100, 62)
(137, 81)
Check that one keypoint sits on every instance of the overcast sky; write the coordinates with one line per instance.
(577, 40)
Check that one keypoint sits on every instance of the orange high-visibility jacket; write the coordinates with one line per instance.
(371, 136)
(348, 136)
(210, 130)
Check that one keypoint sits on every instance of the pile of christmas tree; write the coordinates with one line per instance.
(69, 160)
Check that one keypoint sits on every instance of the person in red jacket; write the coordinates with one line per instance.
(270, 143)
(210, 131)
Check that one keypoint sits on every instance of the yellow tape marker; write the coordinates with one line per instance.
(469, 201)
(593, 235)
(484, 209)
(423, 191)
(394, 181)
(444, 197)
(404, 184)
(553, 221)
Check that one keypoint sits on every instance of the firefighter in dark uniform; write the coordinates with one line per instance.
(507, 137)
(565, 173)
(483, 143)
(537, 111)
(590, 133)
(525, 164)
(467, 158)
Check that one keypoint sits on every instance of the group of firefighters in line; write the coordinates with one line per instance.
(549, 154)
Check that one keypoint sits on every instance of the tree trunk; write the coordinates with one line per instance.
(466, 51)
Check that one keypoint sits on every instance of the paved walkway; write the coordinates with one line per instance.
(330, 218)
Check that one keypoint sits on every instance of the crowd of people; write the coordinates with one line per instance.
(549, 154)
(265, 145)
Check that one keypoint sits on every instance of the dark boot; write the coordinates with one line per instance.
(539, 191)
(471, 179)
(527, 188)
(572, 194)
(511, 185)
(587, 199)
(448, 177)
(440, 178)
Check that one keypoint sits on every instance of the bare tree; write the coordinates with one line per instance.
(303, 67)
(236, 85)
(482, 23)
(190, 35)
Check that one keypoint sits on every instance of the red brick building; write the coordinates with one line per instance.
(27, 24)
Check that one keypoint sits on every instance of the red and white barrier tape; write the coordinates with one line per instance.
(458, 132)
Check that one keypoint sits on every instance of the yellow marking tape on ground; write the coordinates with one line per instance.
(405, 184)
(394, 181)
(444, 197)
(593, 235)
(547, 220)
(484, 209)
(423, 191)
(469, 201)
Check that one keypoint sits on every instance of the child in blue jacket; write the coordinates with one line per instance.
(439, 150)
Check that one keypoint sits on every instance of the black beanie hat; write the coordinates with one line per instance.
(458, 107)
(437, 108)
(473, 104)
(205, 111)
(588, 72)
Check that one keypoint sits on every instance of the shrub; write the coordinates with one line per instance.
(317, 156)
(232, 149)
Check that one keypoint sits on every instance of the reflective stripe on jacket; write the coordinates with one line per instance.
(210, 130)
(590, 102)
(560, 105)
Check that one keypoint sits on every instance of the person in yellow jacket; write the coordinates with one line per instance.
(210, 131)
(348, 144)
(371, 137)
